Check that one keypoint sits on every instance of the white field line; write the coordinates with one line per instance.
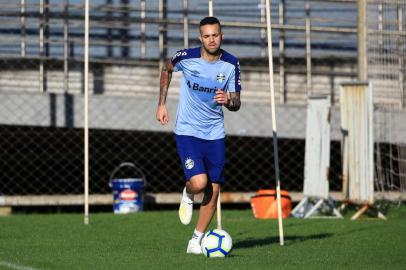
(16, 266)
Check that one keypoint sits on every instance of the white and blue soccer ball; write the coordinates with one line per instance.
(216, 243)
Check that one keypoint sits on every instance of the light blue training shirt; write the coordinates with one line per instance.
(198, 114)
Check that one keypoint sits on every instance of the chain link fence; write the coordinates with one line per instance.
(386, 71)
(41, 89)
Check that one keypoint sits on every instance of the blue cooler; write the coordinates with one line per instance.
(128, 193)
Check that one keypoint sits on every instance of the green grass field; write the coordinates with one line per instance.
(157, 240)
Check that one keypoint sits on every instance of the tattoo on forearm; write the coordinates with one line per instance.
(166, 76)
(234, 102)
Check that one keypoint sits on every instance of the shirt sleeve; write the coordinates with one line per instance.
(177, 60)
(235, 81)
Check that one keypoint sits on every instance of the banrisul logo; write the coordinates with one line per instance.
(221, 77)
(200, 88)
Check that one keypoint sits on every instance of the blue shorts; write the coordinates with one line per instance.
(202, 156)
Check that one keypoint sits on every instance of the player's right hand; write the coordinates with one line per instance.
(162, 114)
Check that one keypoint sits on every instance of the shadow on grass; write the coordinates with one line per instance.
(289, 240)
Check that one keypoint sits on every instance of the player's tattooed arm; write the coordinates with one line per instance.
(234, 102)
(166, 76)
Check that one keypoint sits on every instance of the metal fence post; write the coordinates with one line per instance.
(23, 30)
(143, 29)
(282, 92)
(186, 23)
(308, 52)
(401, 44)
(66, 46)
(41, 46)
(263, 30)
(362, 40)
(162, 32)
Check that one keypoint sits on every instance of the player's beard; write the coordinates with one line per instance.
(212, 51)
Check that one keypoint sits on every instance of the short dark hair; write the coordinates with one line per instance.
(210, 20)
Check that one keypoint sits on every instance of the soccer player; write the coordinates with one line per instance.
(211, 80)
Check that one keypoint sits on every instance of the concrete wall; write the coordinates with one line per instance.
(138, 113)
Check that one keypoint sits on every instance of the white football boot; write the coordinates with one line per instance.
(185, 209)
(193, 248)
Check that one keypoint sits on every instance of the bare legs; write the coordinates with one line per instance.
(197, 184)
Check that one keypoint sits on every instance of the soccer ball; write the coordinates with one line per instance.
(216, 243)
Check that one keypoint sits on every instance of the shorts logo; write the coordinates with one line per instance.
(221, 77)
(189, 163)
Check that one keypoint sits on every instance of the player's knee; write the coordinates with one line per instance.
(196, 187)
(198, 183)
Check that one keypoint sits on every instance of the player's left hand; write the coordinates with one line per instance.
(221, 97)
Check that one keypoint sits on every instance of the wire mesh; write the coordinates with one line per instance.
(41, 88)
(386, 71)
